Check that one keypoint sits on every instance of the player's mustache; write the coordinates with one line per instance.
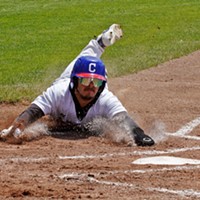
(89, 89)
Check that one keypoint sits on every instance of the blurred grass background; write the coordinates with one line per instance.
(38, 39)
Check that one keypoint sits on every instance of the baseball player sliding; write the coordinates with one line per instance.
(81, 94)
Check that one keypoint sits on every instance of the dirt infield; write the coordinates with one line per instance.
(163, 99)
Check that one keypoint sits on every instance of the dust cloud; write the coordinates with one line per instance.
(111, 130)
(100, 127)
(34, 131)
(158, 131)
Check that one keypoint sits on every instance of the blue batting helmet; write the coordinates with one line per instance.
(89, 67)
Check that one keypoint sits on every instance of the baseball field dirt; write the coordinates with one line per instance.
(164, 100)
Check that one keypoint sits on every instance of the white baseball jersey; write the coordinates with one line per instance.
(58, 102)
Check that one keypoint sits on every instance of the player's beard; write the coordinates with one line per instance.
(86, 97)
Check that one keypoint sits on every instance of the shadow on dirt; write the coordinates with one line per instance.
(72, 135)
(69, 131)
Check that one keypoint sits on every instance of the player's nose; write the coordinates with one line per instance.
(91, 84)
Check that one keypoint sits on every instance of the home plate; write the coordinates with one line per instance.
(166, 160)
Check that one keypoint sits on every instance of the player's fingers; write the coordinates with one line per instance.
(11, 135)
(6, 132)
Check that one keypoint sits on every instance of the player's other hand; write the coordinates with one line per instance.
(141, 139)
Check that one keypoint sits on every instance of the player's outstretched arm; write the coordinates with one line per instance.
(95, 47)
(30, 115)
(141, 139)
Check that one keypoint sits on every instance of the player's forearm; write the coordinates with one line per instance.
(141, 139)
(30, 115)
(124, 119)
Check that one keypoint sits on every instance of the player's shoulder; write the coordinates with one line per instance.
(107, 95)
(106, 92)
(62, 83)
(59, 87)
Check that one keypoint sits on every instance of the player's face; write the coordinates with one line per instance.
(88, 88)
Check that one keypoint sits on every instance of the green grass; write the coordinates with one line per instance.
(39, 38)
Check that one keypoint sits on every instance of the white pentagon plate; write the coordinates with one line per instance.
(166, 160)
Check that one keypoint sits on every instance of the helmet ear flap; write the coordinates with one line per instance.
(74, 81)
(101, 88)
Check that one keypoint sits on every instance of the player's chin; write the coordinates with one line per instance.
(89, 96)
(90, 93)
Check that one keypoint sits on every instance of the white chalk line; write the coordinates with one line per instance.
(83, 177)
(188, 128)
(185, 193)
(137, 171)
(86, 156)
(23, 160)
(188, 137)
(183, 136)
(151, 152)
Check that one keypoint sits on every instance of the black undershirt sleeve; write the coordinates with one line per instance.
(141, 139)
(30, 115)
(124, 118)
